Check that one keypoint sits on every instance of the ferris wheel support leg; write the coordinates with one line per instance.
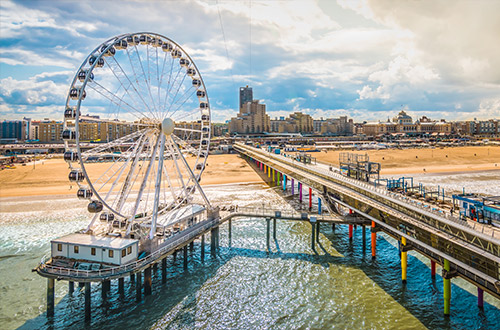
(157, 188)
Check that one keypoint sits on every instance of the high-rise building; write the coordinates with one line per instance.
(13, 130)
(252, 118)
(246, 95)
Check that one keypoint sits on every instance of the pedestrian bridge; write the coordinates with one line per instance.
(464, 248)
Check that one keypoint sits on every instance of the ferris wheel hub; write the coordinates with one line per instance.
(167, 126)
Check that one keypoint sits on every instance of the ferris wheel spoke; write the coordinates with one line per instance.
(143, 184)
(122, 75)
(146, 78)
(113, 98)
(170, 86)
(100, 148)
(192, 176)
(187, 129)
(185, 99)
(165, 56)
(179, 173)
(174, 99)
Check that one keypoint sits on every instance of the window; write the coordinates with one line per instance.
(59, 247)
(129, 250)
(110, 253)
(124, 253)
(75, 248)
(92, 251)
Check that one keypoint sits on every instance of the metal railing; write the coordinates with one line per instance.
(424, 208)
(113, 271)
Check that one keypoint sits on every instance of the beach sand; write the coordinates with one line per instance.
(50, 177)
(414, 161)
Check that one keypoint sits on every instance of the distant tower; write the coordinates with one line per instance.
(246, 95)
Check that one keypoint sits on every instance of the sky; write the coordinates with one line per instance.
(366, 59)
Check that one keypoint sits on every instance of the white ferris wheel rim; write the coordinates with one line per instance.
(98, 55)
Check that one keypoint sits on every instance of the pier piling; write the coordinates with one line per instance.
(319, 205)
(480, 298)
(274, 229)
(185, 257)
(374, 240)
(229, 231)
(310, 199)
(313, 233)
(364, 237)
(350, 233)
(147, 281)
(268, 223)
(404, 260)
(203, 248)
(132, 278)
(87, 301)
(317, 232)
(50, 297)
(138, 286)
(121, 285)
(71, 287)
(212, 241)
(164, 270)
(446, 288)
(293, 187)
(191, 246)
(433, 269)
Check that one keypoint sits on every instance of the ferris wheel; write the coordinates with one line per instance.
(136, 132)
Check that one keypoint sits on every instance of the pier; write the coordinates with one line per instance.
(464, 249)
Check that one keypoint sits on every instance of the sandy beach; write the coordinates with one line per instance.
(439, 160)
(50, 177)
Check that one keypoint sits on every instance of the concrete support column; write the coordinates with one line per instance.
(310, 199)
(313, 233)
(138, 286)
(293, 187)
(104, 289)
(203, 248)
(212, 241)
(50, 297)
(164, 270)
(121, 285)
(446, 289)
(185, 257)
(374, 240)
(433, 269)
(317, 232)
(480, 298)
(71, 287)
(404, 260)
(230, 231)
(274, 229)
(147, 281)
(268, 234)
(87, 301)
(364, 238)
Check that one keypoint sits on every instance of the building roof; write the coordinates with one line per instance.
(109, 242)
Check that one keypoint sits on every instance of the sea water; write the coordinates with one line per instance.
(243, 286)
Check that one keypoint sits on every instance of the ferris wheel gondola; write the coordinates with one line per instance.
(146, 98)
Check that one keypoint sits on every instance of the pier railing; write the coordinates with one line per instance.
(47, 268)
(424, 208)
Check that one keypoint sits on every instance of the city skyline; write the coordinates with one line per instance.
(366, 60)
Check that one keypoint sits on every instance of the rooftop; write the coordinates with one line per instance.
(96, 241)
